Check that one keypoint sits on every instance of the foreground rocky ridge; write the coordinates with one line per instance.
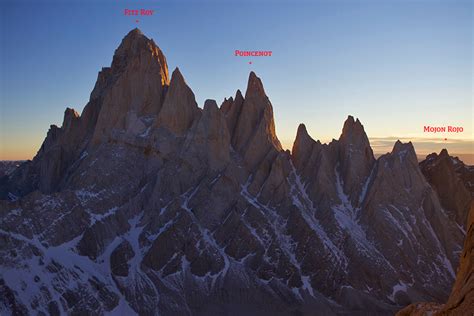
(146, 203)
(461, 300)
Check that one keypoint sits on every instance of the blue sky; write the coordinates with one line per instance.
(396, 65)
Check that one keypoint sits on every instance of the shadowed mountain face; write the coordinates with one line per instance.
(146, 204)
(461, 300)
(453, 182)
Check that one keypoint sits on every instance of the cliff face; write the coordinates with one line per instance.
(146, 202)
(134, 86)
(461, 300)
(451, 180)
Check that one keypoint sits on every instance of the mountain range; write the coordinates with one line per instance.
(147, 204)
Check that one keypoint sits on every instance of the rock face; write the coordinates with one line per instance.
(209, 141)
(180, 108)
(8, 166)
(139, 77)
(452, 181)
(356, 156)
(254, 134)
(125, 98)
(146, 203)
(461, 300)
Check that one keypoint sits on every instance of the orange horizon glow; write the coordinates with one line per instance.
(26, 148)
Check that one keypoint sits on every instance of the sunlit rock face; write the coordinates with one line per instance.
(146, 203)
(180, 108)
(140, 77)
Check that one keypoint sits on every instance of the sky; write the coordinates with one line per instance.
(396, 65)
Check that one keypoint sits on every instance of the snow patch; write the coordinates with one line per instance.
(86, 195)
(12, 197)
(363, 193)
(399, 287)
(146, 132)
(100, 217)
(305, 205)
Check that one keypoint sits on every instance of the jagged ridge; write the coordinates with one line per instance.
(152, 197)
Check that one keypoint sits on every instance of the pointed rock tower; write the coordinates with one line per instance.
(254, 134)
(180, 107)
(356, 158)
(139, 79)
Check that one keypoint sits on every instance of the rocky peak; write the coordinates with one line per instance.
(177, 77)
(70, 115)
(254, 86)
(180, 107)
(239, 96)
(52, 137)
(208, 141)
(399, 171)
(353, 133)
(302, 147)
(196, 210)
(226, 105)
(131, 45)
(356, 157)
(210, 106)
(446, 178)
(256, 114)
(134, 36)
(231, 110)
(135, 44)
(254, 135)
(404, 151)
(136, 82)
(350, 124)
(444, 153)
(301, 132)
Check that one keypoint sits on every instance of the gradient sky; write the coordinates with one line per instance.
(396, 65)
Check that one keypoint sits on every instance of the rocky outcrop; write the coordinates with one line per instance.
(7, 167)
(413, 211)
(254, 133)
(461, 300)
(231, 109)
(356, 156)
(302, 147)
(140, 74)
(374, 223)
(208, 143)
(454, 195)
(465, 173)
(133, 87)
(316, 164)
(146, 203)
(180, 108)
(58, 151)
